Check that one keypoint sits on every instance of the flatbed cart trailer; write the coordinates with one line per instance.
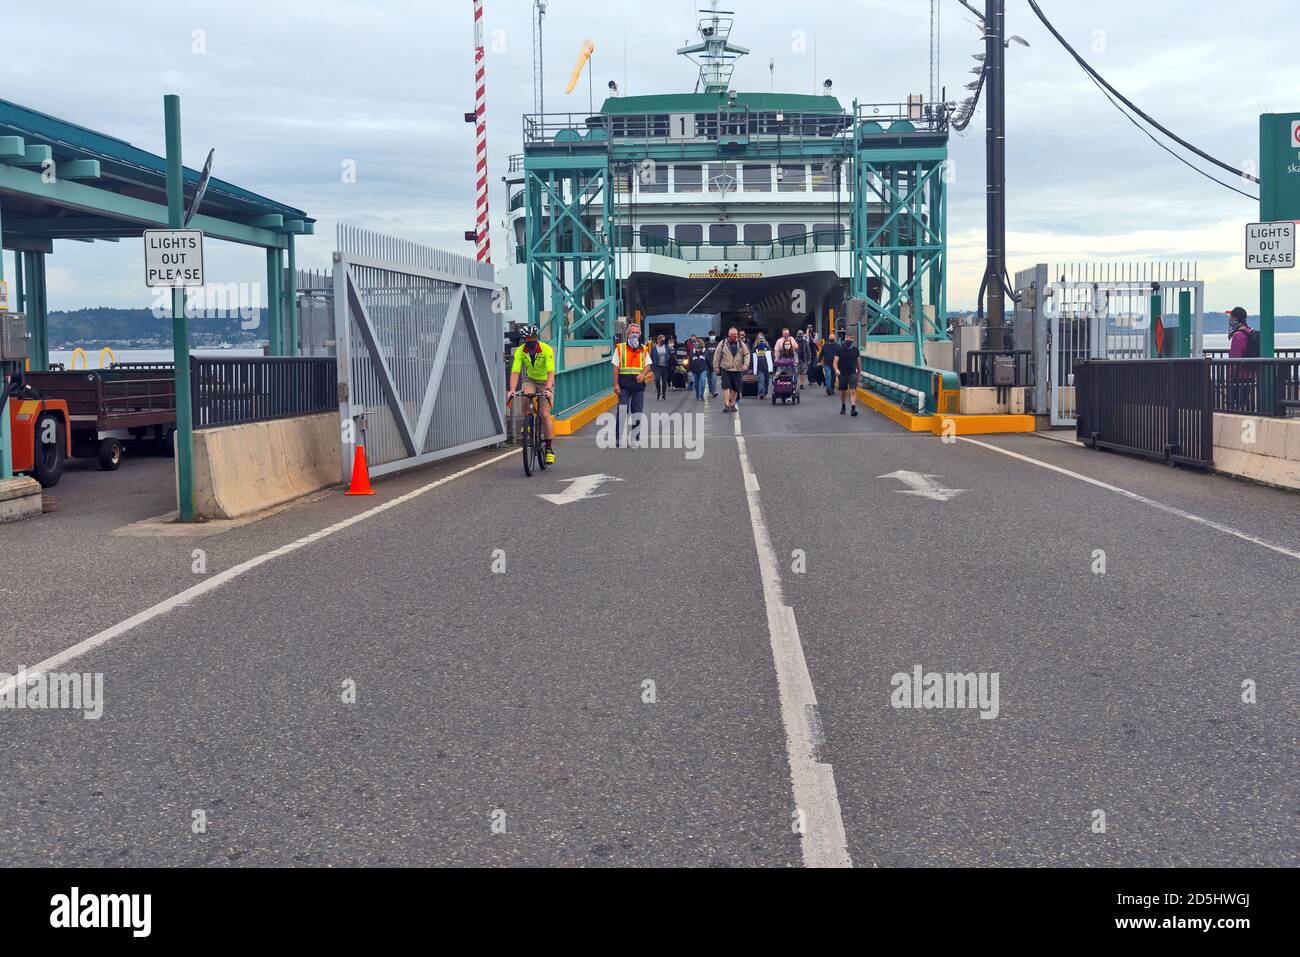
(109, 407)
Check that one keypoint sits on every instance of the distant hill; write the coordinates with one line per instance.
(139, 327)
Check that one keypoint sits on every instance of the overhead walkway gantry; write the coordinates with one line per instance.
(59, 180)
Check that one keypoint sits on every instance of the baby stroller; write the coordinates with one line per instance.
(785, 387)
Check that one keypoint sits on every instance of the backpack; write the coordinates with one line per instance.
(1252, 343)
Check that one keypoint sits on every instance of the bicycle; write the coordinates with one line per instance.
(530, 434)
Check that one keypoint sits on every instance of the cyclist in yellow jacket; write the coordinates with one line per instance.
(536, 361)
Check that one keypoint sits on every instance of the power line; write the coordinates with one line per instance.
(1181, 159)
(1101, 81)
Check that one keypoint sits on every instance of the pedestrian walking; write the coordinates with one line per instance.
(730, 362)
(826, 356)
(848, 363)
(762, 365)
(700, 372)
(659, 358)
(631, 367)
(1243, 343)
(713, 375)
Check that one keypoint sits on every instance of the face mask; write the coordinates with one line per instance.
(734, 338)
(634, 342)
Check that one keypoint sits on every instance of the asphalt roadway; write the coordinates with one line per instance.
(770, 588)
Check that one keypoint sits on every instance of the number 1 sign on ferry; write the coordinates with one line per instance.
(173, 257)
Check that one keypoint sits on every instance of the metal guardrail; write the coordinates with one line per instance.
(919, 386)
(923, 117)
(739, 126)
(1156, 408)
(243, 390)
(579, 385)
(980, 365)
(1265, 387)
(1278, 354)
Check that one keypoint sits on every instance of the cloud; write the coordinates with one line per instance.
(287, 90)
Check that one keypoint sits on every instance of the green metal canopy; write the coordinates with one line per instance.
(60, 180)
(64, 181)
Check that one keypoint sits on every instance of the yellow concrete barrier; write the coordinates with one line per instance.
(994, 424)
(575, 422)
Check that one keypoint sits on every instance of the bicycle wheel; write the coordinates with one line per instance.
(541, 451)
(527, 439)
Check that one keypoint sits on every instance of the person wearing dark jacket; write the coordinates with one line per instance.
(848, 362)
(661, 359)
(700, 370)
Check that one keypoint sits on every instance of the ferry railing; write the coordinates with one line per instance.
(730, 126)
(1264, 387)
(1156, 408)
(579, 386)
(923, 117)
(260, 389)
(1278, 353)
(921, 387)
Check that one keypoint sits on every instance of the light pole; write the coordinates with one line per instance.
(995, 28)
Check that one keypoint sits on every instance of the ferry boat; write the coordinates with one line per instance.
(742, 212)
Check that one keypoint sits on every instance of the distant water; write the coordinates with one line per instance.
(1284, 340)
(144, 355)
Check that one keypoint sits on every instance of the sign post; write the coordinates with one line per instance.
(1279, 203)
(180, 327)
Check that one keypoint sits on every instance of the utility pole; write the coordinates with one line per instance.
(995, 48)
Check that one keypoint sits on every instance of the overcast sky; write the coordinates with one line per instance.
(288, 90)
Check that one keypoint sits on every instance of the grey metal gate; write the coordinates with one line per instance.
(418, 336)
(1088, 311)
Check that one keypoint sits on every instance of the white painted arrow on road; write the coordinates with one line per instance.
(580, 489)
(925, 486)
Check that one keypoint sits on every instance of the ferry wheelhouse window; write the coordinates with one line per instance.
(722, 234)
(690, 179)
(758, 233)
(794, 179)
(653, 178)
(690, 233)
(823, 177)
(654, 237)
(623, 236)
(758, 179)
(721, 174)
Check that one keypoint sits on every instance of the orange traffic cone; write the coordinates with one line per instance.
(360, 474)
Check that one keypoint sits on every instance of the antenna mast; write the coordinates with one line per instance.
(935, 92)
(717, 54)
(539, 92)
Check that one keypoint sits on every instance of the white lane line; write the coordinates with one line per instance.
(823, 840)
(1134, 496)
(222, 578)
